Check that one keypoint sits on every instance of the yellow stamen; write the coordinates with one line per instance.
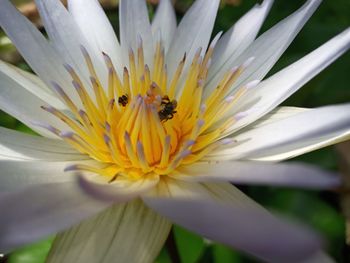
(145, 124)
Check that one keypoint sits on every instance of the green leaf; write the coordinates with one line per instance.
(34, 253)
(190, 246)
(163, 257)
(223, 254)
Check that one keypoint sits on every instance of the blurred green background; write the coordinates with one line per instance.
(318, 209)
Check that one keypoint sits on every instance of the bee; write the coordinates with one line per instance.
(123, 100)
(168, 109)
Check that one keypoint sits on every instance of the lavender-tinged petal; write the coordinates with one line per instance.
(38, 211)
(116, 190)
(256, 173)
(251, 230)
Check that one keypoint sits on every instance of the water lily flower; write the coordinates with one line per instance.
(152, 130)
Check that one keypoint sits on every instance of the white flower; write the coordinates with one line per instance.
(162, 120)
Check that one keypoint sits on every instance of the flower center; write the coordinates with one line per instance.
(146, 122)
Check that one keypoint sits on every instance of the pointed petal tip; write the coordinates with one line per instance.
(346, 35)
(66, 134)
(216, 39)
(266, 3)
(71, 168)
(241, 115)
(252, 84)
(248, 62)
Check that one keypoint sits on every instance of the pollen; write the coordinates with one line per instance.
(144, 121)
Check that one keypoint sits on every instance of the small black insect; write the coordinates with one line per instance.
(123, 100)
(168, 109)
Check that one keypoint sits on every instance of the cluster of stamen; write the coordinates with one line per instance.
(145, 122)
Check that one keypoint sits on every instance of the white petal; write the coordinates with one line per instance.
(121, 190)
(164, 22)
(276, 114)
(95, 26)
(286, 174)
(244, 227)
(238, 38)
(281, 85)
(268, 48)
(123, 233)
(31, 83)
(22, 96)
(20, 174)
(38, 211)
(292, 136)
(16, 145)
(134, 23)
(67, 38)
(25, 106)
(192, 33)
(62, 31)
(39, 54)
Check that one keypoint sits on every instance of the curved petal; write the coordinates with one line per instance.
(118, 190)
(292, 136)
(95, 26)
(41, 210)
(193, 32)
(239, 37)
(281, 85)
(165, 22)
(123, 233)
(243, 226)
(134, 23)
(16, 145)
(36, 50)
(25, 106)
(267, 48)
(290, 175)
